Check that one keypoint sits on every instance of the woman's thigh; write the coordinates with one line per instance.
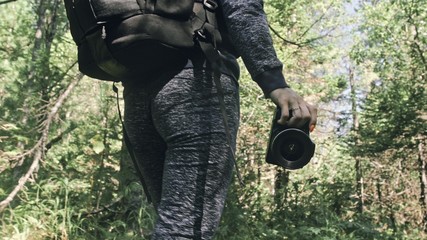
(198, 162)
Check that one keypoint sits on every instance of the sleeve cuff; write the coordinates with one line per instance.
(270, 80)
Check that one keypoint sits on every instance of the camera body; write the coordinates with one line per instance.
(288, 147)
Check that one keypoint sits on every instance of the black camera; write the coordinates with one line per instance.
(288, 147)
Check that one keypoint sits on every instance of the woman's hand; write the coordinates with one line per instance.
(295, 111)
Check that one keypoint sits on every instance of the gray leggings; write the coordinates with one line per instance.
(175, 127)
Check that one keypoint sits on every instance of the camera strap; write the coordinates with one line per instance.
(217, 81)
(215, 60)
(130, 147)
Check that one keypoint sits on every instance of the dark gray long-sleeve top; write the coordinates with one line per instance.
(247, 26)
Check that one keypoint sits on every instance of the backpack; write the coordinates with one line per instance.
(125, 39)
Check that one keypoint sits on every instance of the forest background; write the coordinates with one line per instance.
(65, 174)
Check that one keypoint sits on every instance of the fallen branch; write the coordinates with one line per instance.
(7, 1)
(59, 137)
(284, 39)
(307, 42)
(39, 148)
(101, 209)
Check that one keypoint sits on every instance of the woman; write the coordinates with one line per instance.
(175, 125)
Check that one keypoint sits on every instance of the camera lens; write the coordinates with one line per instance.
(292, 149)
(289, 147)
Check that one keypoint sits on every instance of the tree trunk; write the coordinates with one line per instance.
(357, 164)
(281, 187)
(380, 198)
(422, 163)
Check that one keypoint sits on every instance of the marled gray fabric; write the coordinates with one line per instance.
(248, 27)
(178, 136)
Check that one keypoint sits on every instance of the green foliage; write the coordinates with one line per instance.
(309, 35)
(392, 124)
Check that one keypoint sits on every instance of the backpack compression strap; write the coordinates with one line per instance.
(206, 38)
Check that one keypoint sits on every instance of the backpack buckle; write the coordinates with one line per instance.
(211, 5)
(201, 35)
